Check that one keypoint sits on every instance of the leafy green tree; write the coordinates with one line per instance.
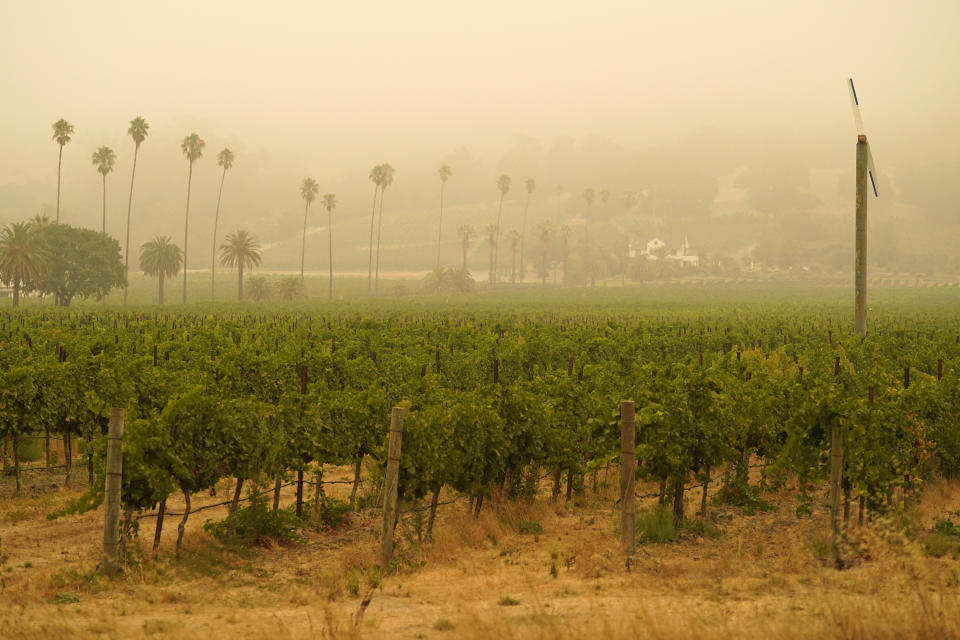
(531, 186)
(258, 288)
(240, 251)
(308, 191)
(103, 159)
(162, 259)
(329, 202)
(81, 262)
(225, 160)
(503, 185)
(138, 131)
(290, 288)
(22, 256)
(444, 172)
(62, 130)
(192, 148)
(386, 180)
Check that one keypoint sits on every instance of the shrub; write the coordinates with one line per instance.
(257, 522)
(656, 525)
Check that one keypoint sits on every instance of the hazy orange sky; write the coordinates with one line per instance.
(404, 77)
(328, 89)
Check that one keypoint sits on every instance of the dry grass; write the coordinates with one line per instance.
(558, 565)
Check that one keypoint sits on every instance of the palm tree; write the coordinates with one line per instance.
(546, 230)
(466, 235)
(22, 255)
(515, 239)
(503, 184)
(376, 176)
(225, 160)
(138, 131)
(531, 185)
(329, 203)
(62, 130)
(492, 231)
(192, 147)
(161, 258)
(387, 180)
(104, 159)
(565, 251)
(444, 172)
(308, 191)
(240, 251)
(588, 196)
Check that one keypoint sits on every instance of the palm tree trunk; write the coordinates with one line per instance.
(303, 243)
(126, 252)
(376, 273)
(440, 224)
(492, 263)
(240, 282)
(523, 236)
(373, 218)
(160, 292)
(330, 249)
(59, 165)
(186, 227)
(16, 292)
(496, 244)
(104, 225)
(216, 220)
(466, 248)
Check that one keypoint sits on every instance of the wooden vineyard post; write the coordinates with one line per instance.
(390, 486)
(627, 476)
(836, 471)
(111, 520)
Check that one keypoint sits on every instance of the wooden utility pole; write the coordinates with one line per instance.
(628, 464)
(390, 486)
(111, 520)
(860, 279)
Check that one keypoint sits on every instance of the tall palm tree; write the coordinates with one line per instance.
(308, 191)
(62, 130)
(531, 186)
(466, 235)
(444, 172)
(386, 181)
(546, 231)
(588, 196)
(565, 251)
(503, 184)
(515, 239)
(329, 203)
(376, 176)
(225, 160)
(160, 258)
(138, 131)
(104, 159)
(22, 256)
(240, 251)
(492, 231)
(192, 147)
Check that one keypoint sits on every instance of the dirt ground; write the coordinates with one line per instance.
(520, 570)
